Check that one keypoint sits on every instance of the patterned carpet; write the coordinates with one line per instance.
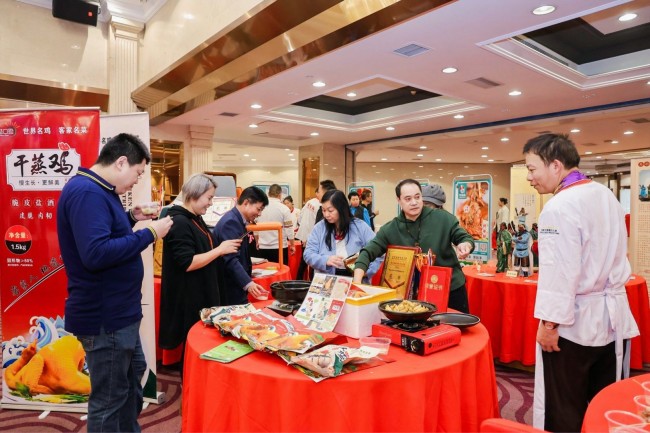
(515, 390)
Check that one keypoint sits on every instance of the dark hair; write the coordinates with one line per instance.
(503, 226)
(275, 190)
(550, 147)
(254, 195)
(340, 203)
(365, 194)
(123, 145)
(352, 194)
(327, 185)
(288, 198)
(504, 200)
(398, 188)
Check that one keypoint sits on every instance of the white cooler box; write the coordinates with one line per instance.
(359, 314)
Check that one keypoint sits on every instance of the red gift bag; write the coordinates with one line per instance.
(434, 286)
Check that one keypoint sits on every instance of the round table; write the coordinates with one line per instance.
(451, 390)
(618, 395)
(265, 281)
(506, 307)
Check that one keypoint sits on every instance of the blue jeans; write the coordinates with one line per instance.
(116, 365)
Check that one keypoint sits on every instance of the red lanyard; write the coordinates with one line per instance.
(205, 233)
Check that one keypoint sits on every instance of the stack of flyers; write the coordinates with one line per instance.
(227, 352)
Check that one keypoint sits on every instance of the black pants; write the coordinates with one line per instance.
(272, 255)
(302, 268)
(458, 299)
(572, 377)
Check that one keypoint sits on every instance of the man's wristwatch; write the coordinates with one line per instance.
(550, 326)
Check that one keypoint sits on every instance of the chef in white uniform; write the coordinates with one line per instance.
(585, 318)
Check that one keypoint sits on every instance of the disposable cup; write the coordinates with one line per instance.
(646, 387)
(642, 403)
(621, 421)
(263, 297)
(150, 208)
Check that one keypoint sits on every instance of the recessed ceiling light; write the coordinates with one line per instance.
(483, 156)
(451, 172)
(484, 148)
(442, 177)
(286, 148)
(384, 159)
(440, 169)
(459, 116)
(423, 147)
(291, 154)
(438, 159)
(293, 159)
(588, 153)
(246, 155)
(648, 83)
(466, 166)
(599, 157)
(378, 172)
(450, 70)
(515, 93)
(628, 133)
(256, 106)
(490, 160)
(420, 155)
(505, 139)
(252, 125)
(614, 141)
(373, 166)
(351, 94)
(627, 17)
(543, 10)
(314, 134)
(64, 65)
(390, 128)
(318, 84)
(574, 130)
(420, 166)
(253, 159)
(392, 169)
(75, 47)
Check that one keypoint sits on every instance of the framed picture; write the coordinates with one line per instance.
(399, 265)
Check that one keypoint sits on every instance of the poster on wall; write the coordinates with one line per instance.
(471, 205)
(138, 125)
(41, 150)
(264, 186)
(640, 216)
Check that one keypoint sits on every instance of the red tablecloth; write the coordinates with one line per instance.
(506, 305)
(282, 275)
(619, 395)
(452, 390)
(294, 261)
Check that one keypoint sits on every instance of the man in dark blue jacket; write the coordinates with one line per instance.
(101, 253)
(235, 269)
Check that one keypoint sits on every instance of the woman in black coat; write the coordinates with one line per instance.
(189, 272)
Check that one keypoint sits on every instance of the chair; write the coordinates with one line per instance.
(500, 425)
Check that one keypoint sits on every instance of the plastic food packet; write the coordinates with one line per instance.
(329, 360)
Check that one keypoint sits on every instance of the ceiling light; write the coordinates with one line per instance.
(484, 148)
(373, 166)
(438, 159)
(256, 106)
(314, 134)
(75, 47)
(287, 149)
(318, 84)
(378, 172)
(483, 156)
(420, 166)
(588, 153)
(246, 155)
(253, 159)
(351, 95)
(291, 154)
(420, 155)
(599, 157)
(450, 70)
(466, 166)
(628, 133)
(459, 116)
(293, 159)
(252, 125)
(574, 130)
(441, 177)
(423, 147)
(648, 82)
(515, 93)
(614, 141)
(627, 17)
(490, 160)
(390, 128)
(384, 159)
(505, 139)
(440, 169)
(543, 10)
(392, 169)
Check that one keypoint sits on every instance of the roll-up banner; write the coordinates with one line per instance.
(471, 204)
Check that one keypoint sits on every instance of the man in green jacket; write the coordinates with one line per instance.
(426, 228)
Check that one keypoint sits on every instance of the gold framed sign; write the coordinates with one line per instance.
(399, 265)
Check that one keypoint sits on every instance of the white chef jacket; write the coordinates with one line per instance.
(583, 269)
(276, 211)
(307, 219)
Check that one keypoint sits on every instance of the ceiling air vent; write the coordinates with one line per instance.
(411, 50)
(640, 120)
(484, 83)
(228, 114)
(282, 136)
(588, 144)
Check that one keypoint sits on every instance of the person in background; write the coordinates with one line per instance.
(366, 201)
(295, 212)
(521, 253)
(418, 226)
(503, 214)
(504, 248)
(337, 237)
(189, 270)
(268, 241)
(433, 196)
(309, 215)
(357, 210)
(234, 270)
(101, 254)
(585, 318)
